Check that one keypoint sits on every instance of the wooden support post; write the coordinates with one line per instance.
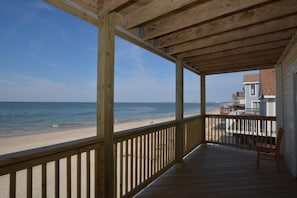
(179, 148)
(105, 106)
(202, 105)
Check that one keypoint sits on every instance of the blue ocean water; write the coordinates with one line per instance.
(37, 117)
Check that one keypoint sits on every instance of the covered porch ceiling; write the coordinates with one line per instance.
(210, 36)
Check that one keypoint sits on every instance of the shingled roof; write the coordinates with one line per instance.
(267, 78)
(251, 78)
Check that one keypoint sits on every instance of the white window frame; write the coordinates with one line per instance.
(251, 94)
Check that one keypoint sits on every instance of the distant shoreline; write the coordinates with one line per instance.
(20, 142)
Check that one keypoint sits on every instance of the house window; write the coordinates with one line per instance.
(253, 87)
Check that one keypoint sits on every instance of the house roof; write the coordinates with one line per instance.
(210, 36)
(267, 80)
(251, 78)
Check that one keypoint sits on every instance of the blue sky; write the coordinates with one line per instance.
(49, 55)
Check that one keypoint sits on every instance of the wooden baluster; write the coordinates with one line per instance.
(136, 161)
(131, 163)
(141, 159)
(121, 168)
(12, 185)
(44, 180)
(126, 166)
(88, 174)
(68, 171)
(78, 177)
(29, 182)
(57, 178)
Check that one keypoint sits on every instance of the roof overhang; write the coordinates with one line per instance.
(210, 36)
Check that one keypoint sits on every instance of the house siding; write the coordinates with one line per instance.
(250, 98)
(289, 144)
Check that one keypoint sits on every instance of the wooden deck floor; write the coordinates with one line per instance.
(220, 171)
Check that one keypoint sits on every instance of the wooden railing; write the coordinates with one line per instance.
(141, 155)
(240, 131)
(62, 170)
(192, 133)
(73, 170)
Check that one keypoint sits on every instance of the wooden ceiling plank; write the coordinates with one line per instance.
(250, 55)
(197, 14)
(258, 40)
(260, 63)
(90, 5)
(267, 46)
(249, 42)
(153, 10)
(245, 18)
(241, 68)
(250, 31)
(106, 6)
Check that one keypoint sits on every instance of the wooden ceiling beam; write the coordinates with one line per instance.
(245, 18)
(241, 68)
(106, 6)
(233, 62)
(250, 55)
(90, 5)
(267, 46)
(250, 31)
(153, 9)
(254, 41)
(195, 15)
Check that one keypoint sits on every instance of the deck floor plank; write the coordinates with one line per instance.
(221, 171)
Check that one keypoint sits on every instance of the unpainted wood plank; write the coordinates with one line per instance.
(238, 20)
(179, 114)
(12, 185)
(241, 67)
(57, 178)
(231, 172)
(105, 98)
(232, 52)
(202, 104)
(153, 10)
(81, 13)
(242, 33)
(247, 56)
(107, 6)
(207, 11)
(90, 5)
(254, 41)
(44, 180)
(235, 61)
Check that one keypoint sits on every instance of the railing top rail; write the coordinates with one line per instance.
(186, 119)
(247, 117)
(143, 130)
(23, 156)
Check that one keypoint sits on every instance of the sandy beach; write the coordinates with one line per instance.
(24, 142)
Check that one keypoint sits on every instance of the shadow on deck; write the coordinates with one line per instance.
(221, 171)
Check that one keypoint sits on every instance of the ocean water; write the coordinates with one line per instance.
(18, 118)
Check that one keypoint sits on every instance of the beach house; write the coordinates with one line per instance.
(267, 92)
(251, 83)
(187, 156)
